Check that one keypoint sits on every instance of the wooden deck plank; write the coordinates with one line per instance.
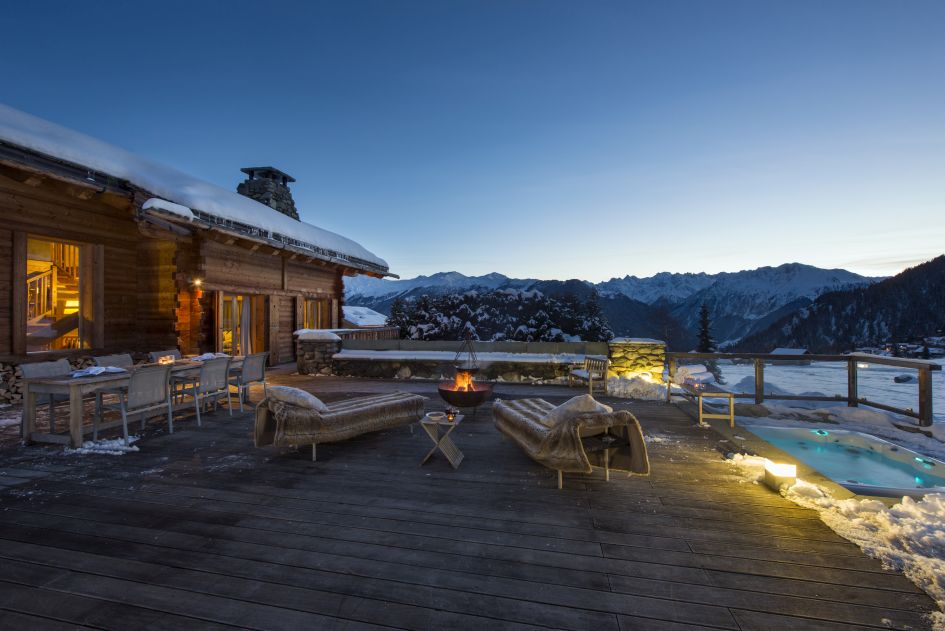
(366, 536)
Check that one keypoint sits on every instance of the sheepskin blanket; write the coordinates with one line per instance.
(558, 445)
(283, 424)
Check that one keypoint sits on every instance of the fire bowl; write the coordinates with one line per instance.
(479, 393)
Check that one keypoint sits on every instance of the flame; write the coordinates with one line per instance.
(464, 381)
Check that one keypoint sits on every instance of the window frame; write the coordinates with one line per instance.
(91, 295)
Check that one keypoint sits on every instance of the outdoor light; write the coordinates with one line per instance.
(198, 282)
(779, 474)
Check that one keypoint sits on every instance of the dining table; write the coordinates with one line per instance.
(76, 389)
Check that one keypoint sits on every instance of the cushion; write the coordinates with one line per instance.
(296, 397)
(572, 407)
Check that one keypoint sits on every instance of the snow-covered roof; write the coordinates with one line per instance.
(362, 316)
(189, 197)
(789, 351)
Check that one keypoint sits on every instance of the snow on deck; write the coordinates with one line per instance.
(449, 356)
(182, 190)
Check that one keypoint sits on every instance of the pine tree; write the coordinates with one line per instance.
(399, 317)
(707, 344)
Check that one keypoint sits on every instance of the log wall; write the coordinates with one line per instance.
(47, 208)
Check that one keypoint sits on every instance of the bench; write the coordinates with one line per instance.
(702, 392)
(594, 369)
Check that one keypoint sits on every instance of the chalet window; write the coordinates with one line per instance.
(59, 304)
(316, 314)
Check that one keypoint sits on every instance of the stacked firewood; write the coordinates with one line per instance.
(11, 378)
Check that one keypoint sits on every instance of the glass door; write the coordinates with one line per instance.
(236, 324)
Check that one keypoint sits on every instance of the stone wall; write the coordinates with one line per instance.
(313, 356)
(631, 356)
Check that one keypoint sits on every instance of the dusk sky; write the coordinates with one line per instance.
(536, 139)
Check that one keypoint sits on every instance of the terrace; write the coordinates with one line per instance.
(200, 529)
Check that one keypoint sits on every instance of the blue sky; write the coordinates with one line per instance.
(537, 139)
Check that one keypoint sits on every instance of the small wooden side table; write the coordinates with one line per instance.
(442, 440)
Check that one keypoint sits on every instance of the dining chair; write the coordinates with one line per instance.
(39, 370)
(211, 385)
(148, 391)
(253, 370)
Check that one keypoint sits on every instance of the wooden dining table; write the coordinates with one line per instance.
(77, 388)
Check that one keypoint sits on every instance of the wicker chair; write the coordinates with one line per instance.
(212, 384)
(253, 370)
(148, 392)
(39, 370)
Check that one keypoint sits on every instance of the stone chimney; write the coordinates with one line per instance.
(269, 186)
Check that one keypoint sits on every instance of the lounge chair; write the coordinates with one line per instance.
(574, 440)
(292, 417)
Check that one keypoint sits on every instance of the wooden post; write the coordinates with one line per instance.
(671, 370)
(925, 397)
(853, 397)
(759, 381)
(20, 306)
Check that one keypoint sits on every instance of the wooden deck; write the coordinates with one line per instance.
(201, 530)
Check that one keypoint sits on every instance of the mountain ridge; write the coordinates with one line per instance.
(663, 305)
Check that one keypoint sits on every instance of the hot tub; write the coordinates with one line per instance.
(860, 462)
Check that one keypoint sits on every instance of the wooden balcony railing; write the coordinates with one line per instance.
(373, 333)
(852, 398)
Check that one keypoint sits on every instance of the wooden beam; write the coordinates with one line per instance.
(18, 345)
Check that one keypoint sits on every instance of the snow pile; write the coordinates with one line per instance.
(692, 374)
(636, 388)
(362, 316)
(36, 134)
(317, 334)
(909, 536)
(109, 447)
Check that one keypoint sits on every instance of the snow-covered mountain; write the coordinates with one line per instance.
(665, 286)
(740, 303)
(905, 307)
(439, 283)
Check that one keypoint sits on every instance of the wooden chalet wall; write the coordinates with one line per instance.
(145, 292)
(234, 265)
(35, 205)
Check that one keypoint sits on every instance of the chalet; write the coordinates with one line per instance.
(799, 353)
(363, 318)
(104, 251)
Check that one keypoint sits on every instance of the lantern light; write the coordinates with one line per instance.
(779, 474)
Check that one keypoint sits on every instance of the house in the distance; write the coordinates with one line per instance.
(363, 318)
(105, 251)
(793, 352)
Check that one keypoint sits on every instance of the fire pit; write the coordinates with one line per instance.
(463, 391)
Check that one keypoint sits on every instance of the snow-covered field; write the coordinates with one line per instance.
(875, 383)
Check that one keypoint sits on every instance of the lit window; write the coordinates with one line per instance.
(54, 309)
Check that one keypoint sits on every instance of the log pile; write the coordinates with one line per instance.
(11, 378)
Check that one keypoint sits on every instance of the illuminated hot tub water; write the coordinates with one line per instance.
(860, 462)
